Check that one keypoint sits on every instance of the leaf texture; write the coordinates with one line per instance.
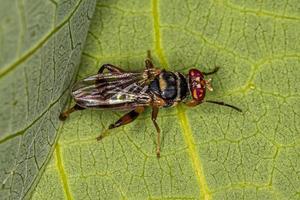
(40, 47)
(208, 152)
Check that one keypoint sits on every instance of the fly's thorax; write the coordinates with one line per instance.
(170, 86)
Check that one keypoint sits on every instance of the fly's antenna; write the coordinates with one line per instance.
(224, 104)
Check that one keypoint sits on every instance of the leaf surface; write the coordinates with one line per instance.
(208, 152)
(40, 47)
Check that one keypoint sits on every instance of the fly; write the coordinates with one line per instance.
(117, 89)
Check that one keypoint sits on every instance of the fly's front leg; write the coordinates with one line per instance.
(154, 116)
(110, 68)
(125, 119)
(193, 103)
(64, 115)
(211, 72)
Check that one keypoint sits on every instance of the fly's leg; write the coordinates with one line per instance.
(154, 116)
(149, 55)
(148, 61)
(149, 64)
(125, 119)
(110, 68)
(211, 72)
(193, 103)
(64, 115)
(150, 69)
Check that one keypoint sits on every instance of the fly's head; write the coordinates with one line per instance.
(198, 85)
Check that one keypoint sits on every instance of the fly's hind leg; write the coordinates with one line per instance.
(125, 119)
(154, 116)
(64, 115)
(110, 68)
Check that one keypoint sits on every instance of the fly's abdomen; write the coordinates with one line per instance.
(171, 87)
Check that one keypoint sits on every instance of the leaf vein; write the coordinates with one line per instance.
(259, 13)
(187, 133)
(5, 70)
(62, 172)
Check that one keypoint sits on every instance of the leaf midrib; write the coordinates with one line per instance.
(186, 129)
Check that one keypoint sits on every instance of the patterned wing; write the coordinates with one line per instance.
(124, 91)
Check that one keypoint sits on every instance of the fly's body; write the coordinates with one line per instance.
(133, 91)
(126, 91)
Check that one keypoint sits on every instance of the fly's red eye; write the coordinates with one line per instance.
(197, 84)
(194, 73)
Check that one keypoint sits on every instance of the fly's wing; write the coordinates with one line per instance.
(124, 91)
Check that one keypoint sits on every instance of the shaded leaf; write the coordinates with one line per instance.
(40, 47)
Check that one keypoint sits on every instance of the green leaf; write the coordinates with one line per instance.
(208, 152)
(40, 47)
